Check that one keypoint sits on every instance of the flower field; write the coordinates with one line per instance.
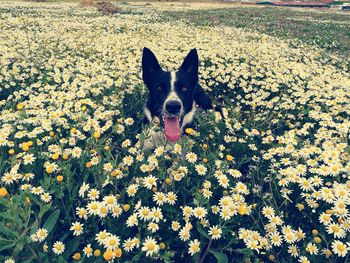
(268, 180)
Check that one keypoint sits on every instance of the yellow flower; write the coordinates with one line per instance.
(20, 106)
(73, 131)
(59, 178)
(96, 135)
(76, 256)
(229, 158)
(242, 210)
(118, 253)
(126, 207)
(55, 156)
(3, 192)
(108, 255)
(189, 131)
(328, 253)
(162, 245)
(168, 180)
(97, 253)
(11, 151)
(45, 247)
(106, 148)
(317, 240)
(300, 207)
(314, 232)
(25, 147)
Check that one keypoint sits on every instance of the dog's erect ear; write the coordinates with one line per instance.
(150, 65)
(190, 64)
(201, 98)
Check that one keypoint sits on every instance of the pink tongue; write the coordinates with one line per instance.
(172, 129)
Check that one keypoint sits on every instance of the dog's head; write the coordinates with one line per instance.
(171, 94)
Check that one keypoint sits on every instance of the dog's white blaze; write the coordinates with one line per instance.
(188, 118)
(148, 114)
(172, 94)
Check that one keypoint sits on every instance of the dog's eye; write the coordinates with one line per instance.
(183, 89)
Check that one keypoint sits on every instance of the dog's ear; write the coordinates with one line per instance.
(150, 65)
(201, 98)
(190, 65)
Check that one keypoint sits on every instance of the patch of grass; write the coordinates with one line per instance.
(328, 30)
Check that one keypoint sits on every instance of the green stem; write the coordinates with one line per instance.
(201, 259)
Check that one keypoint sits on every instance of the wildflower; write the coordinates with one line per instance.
(108, 255)
(276, 239)
(150, 181)
(28, 159)
(156, 214)
(171, 198)
(88, 250)
(46, 197)
(128, 160)
(312, 249)
(152, 227)
(101, 237)
(58, 248)
(194, 247)
(128, 245)
(150, 246)
(111, 242)
(293, 250)
(93, 194)
(77, 228)
(191, 157)
(199, 212)
(201, 169)
(336, 230)
(215, 232)
(132, 220)
(3, 192)
(303, 259)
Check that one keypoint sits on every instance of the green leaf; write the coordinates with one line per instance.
(7, 232)
(34, 227)
(51, 220)
(43, 210)
(170, 209)
(7, 246)
(201, 230)
(221, 257)
(72, 246)
(232, 241)
(18, 248)
(7, 216)
(136, 258)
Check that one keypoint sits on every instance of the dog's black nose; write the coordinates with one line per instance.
(173, 106)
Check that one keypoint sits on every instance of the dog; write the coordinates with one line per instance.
(174, 96)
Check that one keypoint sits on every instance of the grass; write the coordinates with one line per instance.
(327, 29)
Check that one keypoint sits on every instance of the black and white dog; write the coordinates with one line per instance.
(173, 95)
